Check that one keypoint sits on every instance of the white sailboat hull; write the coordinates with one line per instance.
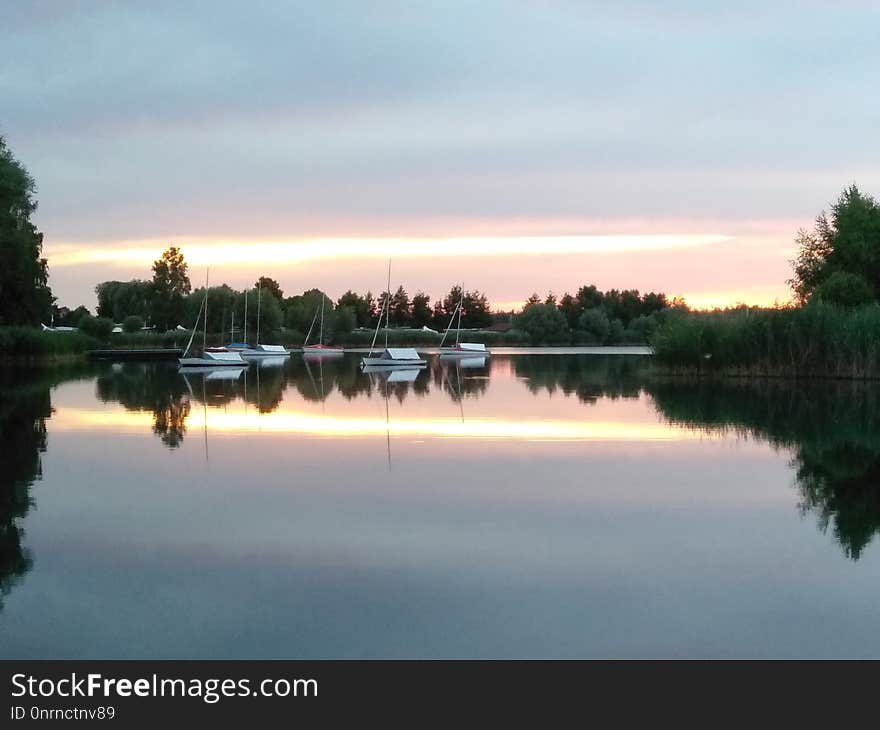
(317, 352)
(252, 354)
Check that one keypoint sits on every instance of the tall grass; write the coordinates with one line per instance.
(816, 340)
(28, 342)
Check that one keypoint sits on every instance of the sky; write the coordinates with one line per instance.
(513, 147)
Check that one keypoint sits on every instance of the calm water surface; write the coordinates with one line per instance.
(532, 506)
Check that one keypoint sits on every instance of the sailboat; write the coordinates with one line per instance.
(320, 349)
(259, 350)
(461, 349)
(211, 357)
(391, 357)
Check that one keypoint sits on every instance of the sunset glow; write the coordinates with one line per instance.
(308, 424)
(230, 253)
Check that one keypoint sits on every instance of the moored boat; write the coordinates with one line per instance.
(391, 357)
(395, 357)
(461, 349)
(320, 349)
(212, 357)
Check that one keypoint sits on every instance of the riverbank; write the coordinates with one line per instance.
(29, 343)
(798, 342)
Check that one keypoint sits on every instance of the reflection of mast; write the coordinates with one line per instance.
(205, 400)
(320, 378)
(383, 385)
(205, 403)
(457, 392)
(388, 426)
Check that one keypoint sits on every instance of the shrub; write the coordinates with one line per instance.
(98, 327)
(132, 323)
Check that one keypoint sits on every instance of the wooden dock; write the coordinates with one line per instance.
(147, 353)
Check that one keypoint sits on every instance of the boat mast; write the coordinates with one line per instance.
(232, 330)
(388, 311)
(451, 322)
(378, 325)
(244, 336)
(460, 307)
(321, 333)
(194, 329)
(205, 338)
(259, 301)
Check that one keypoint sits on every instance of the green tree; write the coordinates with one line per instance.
(400, 308)
(362, 306)
(543, 323)
(267, 284)
(848, 243)
(300, 311)
(594, 325)
(170, 287)
(25, 297)
(132, 323)
(421, 314)
(477, 312)
(120, 299)
(99, 327)
(845, 289)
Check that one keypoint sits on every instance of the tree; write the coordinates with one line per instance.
(362, 306)
(420, 313)
(25, 297)
(476, 310)
(99, 327)
(301, 310)
(543, 323)
(120, 299)
(844, 289)
(847, 244)
(267, 284)
(400, 307)
(132, 323)
(594, 325)
(170, 287)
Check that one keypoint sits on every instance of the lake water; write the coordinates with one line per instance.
(531, 506)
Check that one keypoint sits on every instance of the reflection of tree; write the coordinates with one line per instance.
(316, 379)
(833, 429)
(24, 407)
(586, 376)
(169, 423)
(459, 382)
(264, 387)
(154, 387)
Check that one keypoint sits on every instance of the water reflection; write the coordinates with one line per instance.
(25, 405)
(829, 430)
(832, 429)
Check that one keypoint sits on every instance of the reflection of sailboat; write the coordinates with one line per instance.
(230, 374)
(471, 362)
(213, 357)
(460, 349)
(394, 375)
(265, 363)
(320, 349)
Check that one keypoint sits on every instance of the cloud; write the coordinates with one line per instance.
(288, 120)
